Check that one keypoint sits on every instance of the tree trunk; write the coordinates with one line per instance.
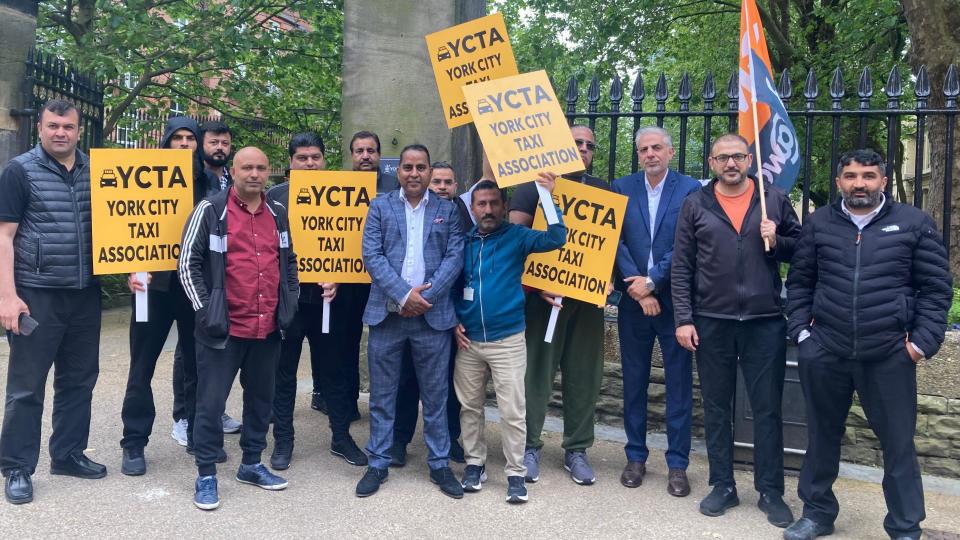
(935, 41)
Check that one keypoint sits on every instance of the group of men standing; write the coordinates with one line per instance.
(698, 265)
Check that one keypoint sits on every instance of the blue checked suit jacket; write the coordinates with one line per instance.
(384, 247)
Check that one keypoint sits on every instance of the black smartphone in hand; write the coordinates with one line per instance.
(27, 324)
(613, 299)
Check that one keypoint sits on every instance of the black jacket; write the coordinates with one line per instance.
(719, 273)
(54, 243)
(860, 292)
(202, 268)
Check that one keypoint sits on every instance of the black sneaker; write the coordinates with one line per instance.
(473, 478)
(444, 478)
(133, 463)
(456, 452)
(317, 403)
(281, 456)
(398, 455)
(371, 481)
(777, 511)
(719, 501)
(349, 451)
(516, 490)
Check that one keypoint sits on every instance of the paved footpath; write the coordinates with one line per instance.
(320, 500)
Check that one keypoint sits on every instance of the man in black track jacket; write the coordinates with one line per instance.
(726, 297)
(868, 294)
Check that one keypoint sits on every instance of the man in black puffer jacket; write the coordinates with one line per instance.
(46, 272)
(867, 298)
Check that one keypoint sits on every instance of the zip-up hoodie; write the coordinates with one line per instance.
(493, 264)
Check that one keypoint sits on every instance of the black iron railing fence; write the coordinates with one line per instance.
(827, 124)
(48, 77)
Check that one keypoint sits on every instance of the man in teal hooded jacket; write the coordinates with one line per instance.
(491, 331)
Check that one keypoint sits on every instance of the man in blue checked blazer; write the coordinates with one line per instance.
(646, 310)
(413, 250)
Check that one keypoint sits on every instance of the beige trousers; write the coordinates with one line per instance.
(507, 360)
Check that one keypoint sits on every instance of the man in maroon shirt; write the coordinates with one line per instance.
(238, 270)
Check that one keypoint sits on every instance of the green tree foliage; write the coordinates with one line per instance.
(604, 38)
(276, 60)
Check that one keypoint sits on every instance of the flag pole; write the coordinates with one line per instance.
(756, 122)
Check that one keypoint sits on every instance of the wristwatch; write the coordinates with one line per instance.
(650, 285)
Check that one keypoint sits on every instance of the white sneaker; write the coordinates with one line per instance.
(229, 424)
(179, 431)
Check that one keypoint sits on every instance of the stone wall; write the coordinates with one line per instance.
(938, 408)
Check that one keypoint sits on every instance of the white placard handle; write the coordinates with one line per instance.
(141, 298)
(552, 323)
(326, 316)
(546, 201)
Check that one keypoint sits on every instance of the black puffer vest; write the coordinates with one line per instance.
(53, 243)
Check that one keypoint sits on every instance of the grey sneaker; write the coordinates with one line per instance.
(179, 431)
(531, 460)
(229, 424)
(580, 470)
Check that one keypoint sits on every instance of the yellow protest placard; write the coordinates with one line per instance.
(522, 128)
(472, 52)
(328, 211)
(140, 200)
(582, 268)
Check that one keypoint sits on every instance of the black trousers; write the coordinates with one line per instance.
(888, 394)
(325, 355)
(146, 344)
(68, 339)
(408, 401)
(256, 360)
(759, 347)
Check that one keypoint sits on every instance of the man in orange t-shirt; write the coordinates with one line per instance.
(726, 296)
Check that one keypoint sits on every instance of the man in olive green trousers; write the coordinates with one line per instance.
(576, 350)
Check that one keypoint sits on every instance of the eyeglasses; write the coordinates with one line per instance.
(737, 158)
(591, 146)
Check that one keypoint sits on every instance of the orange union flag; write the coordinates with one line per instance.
(762, 114)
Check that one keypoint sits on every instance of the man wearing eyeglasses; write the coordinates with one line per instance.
(413, 250)
(726, 297)
(577, 348)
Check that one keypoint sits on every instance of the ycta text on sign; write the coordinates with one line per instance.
(328, 211)
(582, 268)
(140, 200)
(469, 53)
(522, 127)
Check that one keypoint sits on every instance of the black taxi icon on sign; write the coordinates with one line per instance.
(303, 196)
(108, 179)
(443, 53)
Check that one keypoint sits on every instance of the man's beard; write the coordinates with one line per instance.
(871, 200)
(214, 161)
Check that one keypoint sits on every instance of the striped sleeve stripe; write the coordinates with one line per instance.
(183, 265)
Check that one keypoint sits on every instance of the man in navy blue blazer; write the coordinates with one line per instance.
(646, 310)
